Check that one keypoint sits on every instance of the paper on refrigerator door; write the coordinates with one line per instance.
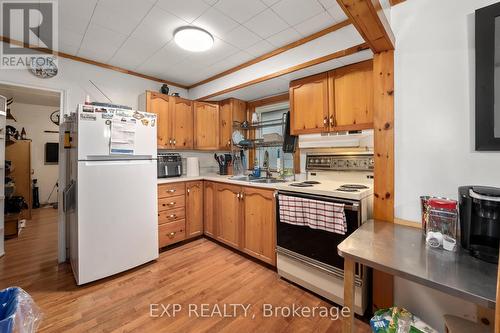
(123, 135)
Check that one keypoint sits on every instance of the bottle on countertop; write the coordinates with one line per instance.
(256, 168)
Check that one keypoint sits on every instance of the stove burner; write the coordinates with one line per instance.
(301, 185)
(354, 186)
(312, 182)
(347, 189)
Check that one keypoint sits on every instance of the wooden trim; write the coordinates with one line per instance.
(395, 2)
(408, 223)
(369, 19)
(335, 55)
(276, 52)
(269, 100)
(383, 192)
(91, 62)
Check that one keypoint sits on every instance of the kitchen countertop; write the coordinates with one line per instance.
(401, 251)
(218, 178)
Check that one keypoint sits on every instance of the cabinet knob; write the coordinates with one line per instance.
(325, 121)
(170, 141)
(171, 190)
(238, 196)
(171, 235)
(174, 142)
(332, 121)
(188, 190)
(173, 216)
(171, 203)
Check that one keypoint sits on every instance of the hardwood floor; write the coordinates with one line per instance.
(195, 273)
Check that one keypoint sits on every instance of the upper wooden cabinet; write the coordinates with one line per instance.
(339, 100)
(231, 110)
(175, 120)
(351, 96)
(309, 104)
(206, 126)
(194, 208)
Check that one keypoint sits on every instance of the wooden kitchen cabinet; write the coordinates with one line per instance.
(159, 104)
(309, 104)
(206, 126)
(231, 110)
(209, 193)
(171, 213)
(174, 119)
(351, 97)
(339, 100)
(259, 224)
(194, 209)
(228, 213)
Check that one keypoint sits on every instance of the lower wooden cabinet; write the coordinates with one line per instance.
(259, 224)
(194, 209)
(242, 217)
(228, 213)
(209, 208)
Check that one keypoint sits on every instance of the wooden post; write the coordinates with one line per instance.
(349, 290)
(497, 308)
(383, 85)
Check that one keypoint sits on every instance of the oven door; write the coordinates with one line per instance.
(313, 246)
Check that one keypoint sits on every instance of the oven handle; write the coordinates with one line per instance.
(348, 204)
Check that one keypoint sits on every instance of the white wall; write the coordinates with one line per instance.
(35, 120)
(434, 123)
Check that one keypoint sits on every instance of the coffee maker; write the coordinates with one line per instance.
(480, 221)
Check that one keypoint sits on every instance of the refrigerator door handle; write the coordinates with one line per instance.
(110, 158)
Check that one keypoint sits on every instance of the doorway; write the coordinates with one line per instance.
(30, 171)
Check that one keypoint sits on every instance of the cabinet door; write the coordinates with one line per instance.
(182, 123)
(209, 208)
(353, 97)
(259, 230)
(194, 208)
(206, 126)
(309, 104)
(225, 123)
(159, 104)
(228, 214)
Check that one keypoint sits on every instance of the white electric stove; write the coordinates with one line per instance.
(308, 256)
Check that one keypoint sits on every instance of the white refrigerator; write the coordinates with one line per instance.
(111, 199)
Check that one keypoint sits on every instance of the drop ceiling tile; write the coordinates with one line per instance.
(218, 52)
(100, 43)
(315, 24)
(76, 23)
(337, 13)
(284, 37)
(266, 24)
(296, 11)
(260, 48)
(215, 22)
(269, 2)
(77, 7)
(168, 56)
(68, 37)
(328, 3)
(240, 57)
(133, 53)
(241, 37)
(68, 48)
(240, 10)
(211, 2)
(188, 10)
(158, 27)
(122, 16)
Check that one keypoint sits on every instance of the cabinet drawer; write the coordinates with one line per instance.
(170, 233)
(171, 215)
(171, 203)
(170, 190)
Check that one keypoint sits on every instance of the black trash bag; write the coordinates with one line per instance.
(15, 204)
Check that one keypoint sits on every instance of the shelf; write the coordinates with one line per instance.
(261, 144)
(262, 124)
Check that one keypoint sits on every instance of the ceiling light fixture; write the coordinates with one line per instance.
(193, 39)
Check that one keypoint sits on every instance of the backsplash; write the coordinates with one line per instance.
(207, 161)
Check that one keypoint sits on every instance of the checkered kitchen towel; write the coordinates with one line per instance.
(315, 214)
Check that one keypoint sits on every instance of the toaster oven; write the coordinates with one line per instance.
(169, 165)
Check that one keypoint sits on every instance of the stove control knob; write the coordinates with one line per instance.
(341, 164)
(371, 162)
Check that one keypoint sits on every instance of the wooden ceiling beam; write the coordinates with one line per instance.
(370, 21)
(395, 2)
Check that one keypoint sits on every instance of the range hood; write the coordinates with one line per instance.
(337, 140)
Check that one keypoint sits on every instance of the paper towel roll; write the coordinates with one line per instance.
(192, 167)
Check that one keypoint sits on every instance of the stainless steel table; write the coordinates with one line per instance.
(401, 251)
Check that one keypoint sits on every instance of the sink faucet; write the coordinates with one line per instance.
(266, 165)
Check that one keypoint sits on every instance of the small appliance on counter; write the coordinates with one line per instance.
(192, 167)
(480, 221)
(169, 165)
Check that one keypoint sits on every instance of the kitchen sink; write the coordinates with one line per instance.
(257, 180)
(267, 181)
